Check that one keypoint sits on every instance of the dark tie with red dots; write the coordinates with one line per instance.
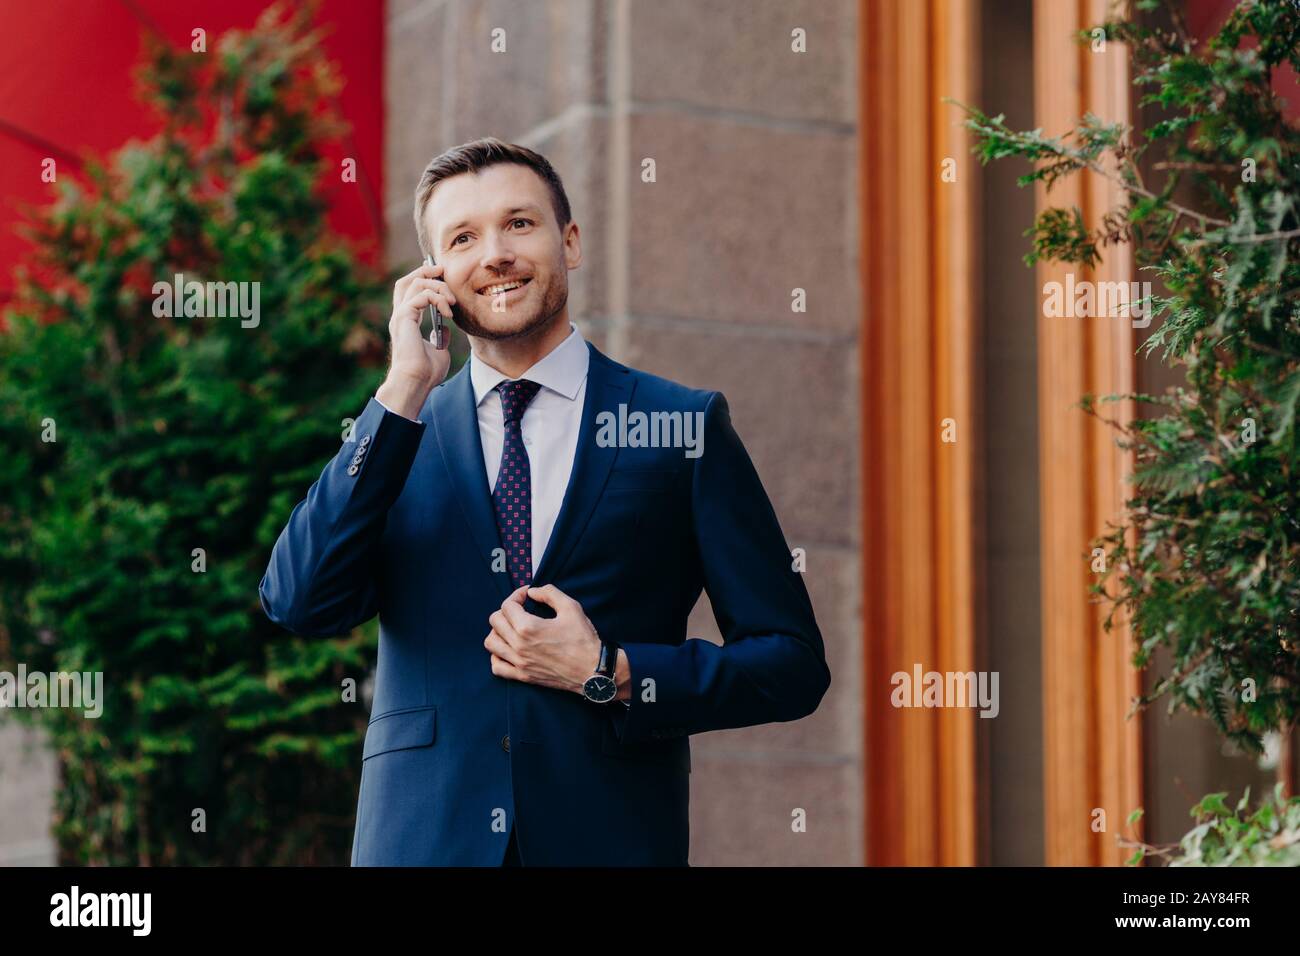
(512, 498)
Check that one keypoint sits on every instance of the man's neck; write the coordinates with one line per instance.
(513, 357)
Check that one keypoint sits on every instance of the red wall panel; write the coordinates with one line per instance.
(67, 87)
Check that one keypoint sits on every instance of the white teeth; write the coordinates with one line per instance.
(498, 289)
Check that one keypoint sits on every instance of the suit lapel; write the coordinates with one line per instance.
(608, 384)
(455, 421)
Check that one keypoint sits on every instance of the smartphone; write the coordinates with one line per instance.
(440, 336)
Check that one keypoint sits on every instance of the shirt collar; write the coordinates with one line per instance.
(562, 369)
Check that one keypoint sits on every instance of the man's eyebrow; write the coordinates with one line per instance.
(507, 214)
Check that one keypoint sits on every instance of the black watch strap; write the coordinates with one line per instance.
(608, 659)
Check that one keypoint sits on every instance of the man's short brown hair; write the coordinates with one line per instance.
(480, 154)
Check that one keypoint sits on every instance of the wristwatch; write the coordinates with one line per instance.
(601, 687)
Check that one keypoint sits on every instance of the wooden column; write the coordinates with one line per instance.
(918, 368)
(1092, 754)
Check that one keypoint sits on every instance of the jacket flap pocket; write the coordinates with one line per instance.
(400, 730)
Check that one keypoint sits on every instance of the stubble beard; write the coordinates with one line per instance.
(556, 296)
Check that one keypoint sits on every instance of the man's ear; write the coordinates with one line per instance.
(572, 246)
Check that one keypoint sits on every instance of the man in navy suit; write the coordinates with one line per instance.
(533, 534)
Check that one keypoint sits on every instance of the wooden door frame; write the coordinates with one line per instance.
(920, 574)
(921, 513)
(1092, 754)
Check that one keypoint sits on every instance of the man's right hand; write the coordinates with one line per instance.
(416, 367)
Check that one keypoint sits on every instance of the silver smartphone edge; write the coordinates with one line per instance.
(439, 327)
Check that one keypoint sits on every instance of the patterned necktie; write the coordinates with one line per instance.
(512, 497)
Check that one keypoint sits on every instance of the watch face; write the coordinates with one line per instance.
(600, 689)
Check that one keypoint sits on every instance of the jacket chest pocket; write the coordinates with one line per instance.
(627, 480)
(644, 495)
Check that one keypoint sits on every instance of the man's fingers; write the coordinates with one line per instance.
(498, 621)
(402, 284)
(399, 288)
(437, 284)
(517, 596)
(501, 648)
(503, 668)
(422, 270)
(519, 619)
(551, 596)
(418, 296)
(415, 302)
(426, 286)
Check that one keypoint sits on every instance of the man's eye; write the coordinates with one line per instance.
(526, 222)
(458, 238)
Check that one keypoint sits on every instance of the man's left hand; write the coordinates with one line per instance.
(560, 652)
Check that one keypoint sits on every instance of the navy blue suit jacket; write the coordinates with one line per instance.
(400, 524)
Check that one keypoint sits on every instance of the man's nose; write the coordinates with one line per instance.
(496, 253)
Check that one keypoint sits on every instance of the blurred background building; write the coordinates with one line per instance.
(797, 145)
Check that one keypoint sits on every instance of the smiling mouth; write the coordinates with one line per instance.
(497, 288)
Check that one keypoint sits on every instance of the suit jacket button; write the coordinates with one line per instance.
(353, 469)
(505, 743)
